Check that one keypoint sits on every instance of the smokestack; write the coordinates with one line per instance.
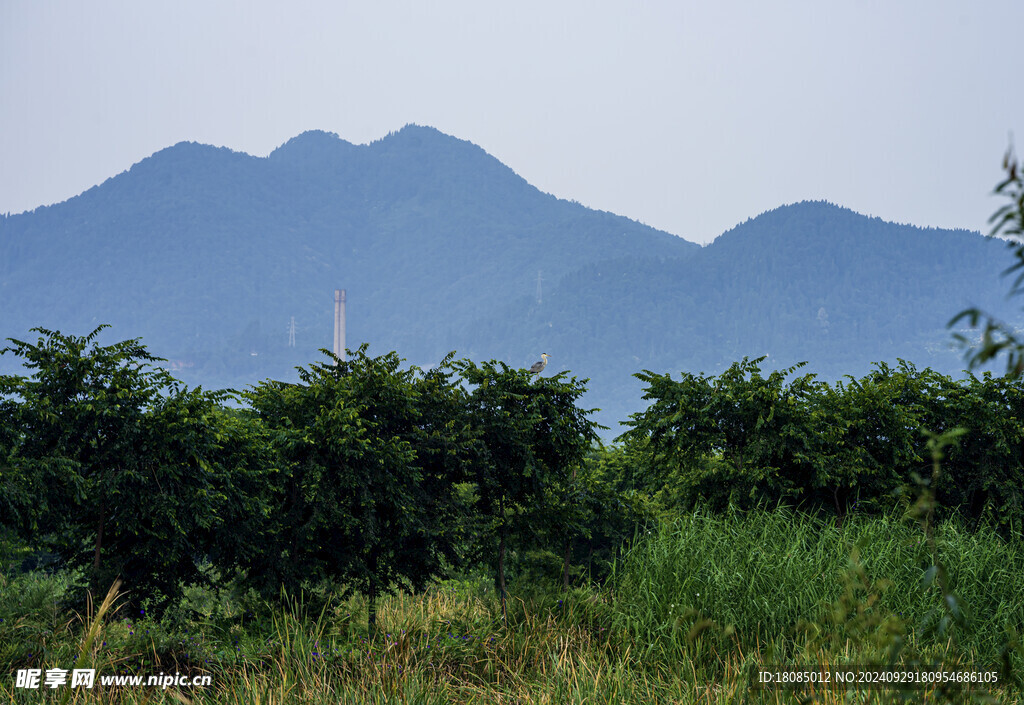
(339, 323)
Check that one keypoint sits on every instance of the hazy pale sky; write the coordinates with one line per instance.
(687, 116)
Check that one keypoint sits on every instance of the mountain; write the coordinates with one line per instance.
(208, 254)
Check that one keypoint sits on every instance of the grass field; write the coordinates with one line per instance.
(689, 615)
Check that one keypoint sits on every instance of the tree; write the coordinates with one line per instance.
(17, 486)
(605, 507)
(735, 438)
(125, 479)
(532, 437)
(370, 455)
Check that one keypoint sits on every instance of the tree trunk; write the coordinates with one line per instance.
(371, 616)
(568, 548)
(501, 574)
(99, 537)
(738, 459)
(565, 564)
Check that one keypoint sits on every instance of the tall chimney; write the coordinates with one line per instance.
(339, 323)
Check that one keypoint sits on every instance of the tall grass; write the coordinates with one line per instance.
(784, 582)
(770, 577)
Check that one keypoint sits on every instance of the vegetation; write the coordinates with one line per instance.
(113, 466)
(365, 474)
(533, 438)
(998, 336)
(455, 535)
(740, 439)
(361, 495)
(688, 617)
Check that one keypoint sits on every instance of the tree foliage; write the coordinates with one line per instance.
(370, 457)
(751, 435)
(998, 337)
(116, 467)
(742, 439)
(367, 474)
(532, 437)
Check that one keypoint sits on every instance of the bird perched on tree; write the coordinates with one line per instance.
(538, 367)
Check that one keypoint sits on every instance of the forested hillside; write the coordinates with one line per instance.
(209, 253)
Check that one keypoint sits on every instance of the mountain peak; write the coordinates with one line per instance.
(309, 144)
(186, 152)
(414, 138)
(412, 131)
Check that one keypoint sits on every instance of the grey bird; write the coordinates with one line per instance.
(538, 367)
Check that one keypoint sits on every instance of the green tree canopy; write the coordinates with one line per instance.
(129, 473)
(370, 455)
(532, 437)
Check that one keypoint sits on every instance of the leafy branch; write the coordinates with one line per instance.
(997, 337)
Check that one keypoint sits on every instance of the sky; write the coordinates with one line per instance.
(687, 116)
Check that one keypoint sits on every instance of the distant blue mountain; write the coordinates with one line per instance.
(207, 254)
